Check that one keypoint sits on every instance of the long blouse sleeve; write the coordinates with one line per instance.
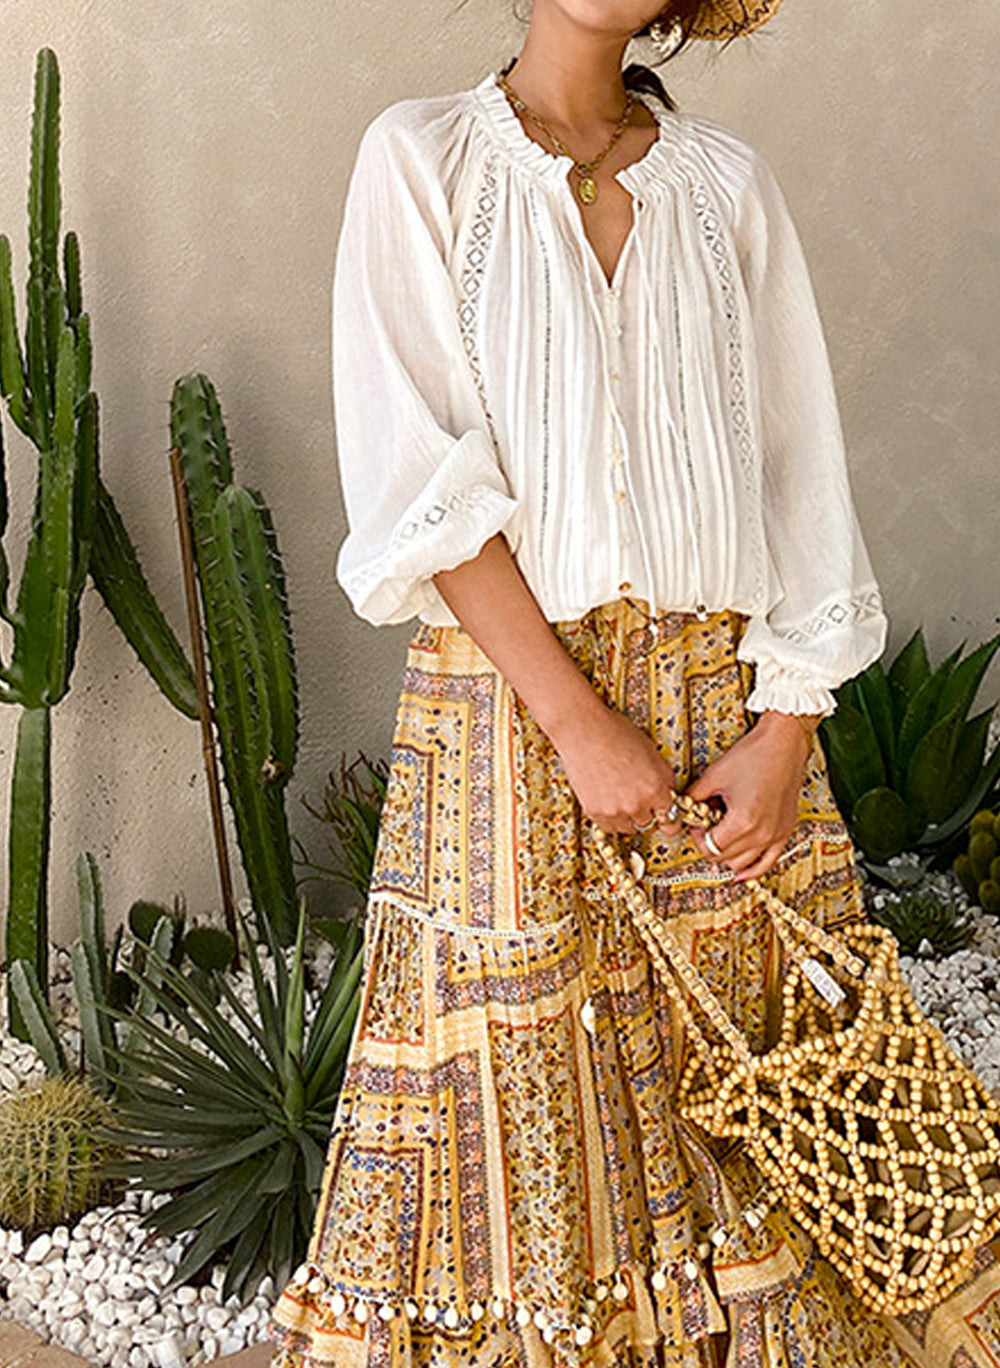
(421, 480)
(827, 621)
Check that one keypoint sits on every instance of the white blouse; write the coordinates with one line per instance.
(672, 435)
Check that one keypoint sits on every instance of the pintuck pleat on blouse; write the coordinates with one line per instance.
(671, 434)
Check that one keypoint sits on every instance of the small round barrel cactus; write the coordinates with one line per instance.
(979, 868)
(53, 1156)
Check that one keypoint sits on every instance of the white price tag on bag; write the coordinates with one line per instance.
(823, 982)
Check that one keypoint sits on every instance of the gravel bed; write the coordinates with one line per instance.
(95, 1288)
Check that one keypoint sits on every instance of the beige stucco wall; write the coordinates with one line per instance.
(206, 152)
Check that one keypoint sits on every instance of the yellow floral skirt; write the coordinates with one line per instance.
(505, 1188)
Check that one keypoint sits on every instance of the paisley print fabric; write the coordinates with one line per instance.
(507, 1184)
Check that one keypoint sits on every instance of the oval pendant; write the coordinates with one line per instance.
(587, 189)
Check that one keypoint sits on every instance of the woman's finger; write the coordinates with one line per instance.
(766, 861)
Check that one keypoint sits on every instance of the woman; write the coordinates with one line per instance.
(588, 435)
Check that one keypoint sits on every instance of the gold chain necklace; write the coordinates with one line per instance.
(586, 186)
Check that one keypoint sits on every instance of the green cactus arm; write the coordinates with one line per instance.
(248, 545)
(56, 526)
(58, 469)
(4, 567)
(84, 355)
(119, 579)
(12, 377)
(30, 808)
(85, 491)
(197, 431)
(239, 709)
(46, 304)
(27, 673)
(71, 275)
(37, 1016)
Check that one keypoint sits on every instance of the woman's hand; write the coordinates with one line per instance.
(618, 774)
(759, 778)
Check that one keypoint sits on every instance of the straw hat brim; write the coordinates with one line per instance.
(720, 19)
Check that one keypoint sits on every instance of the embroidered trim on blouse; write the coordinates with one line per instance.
(423, 523)
(718, 248)
(476, 251)
(837, 613)
(546, 389)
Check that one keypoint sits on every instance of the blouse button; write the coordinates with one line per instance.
(620, 495)
(625, 586)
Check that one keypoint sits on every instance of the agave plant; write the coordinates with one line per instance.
(352, 809)
(907, 764)
(99, 978)
(919, 915)
(244, 1116)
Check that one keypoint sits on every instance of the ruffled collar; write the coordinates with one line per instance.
(508, 132)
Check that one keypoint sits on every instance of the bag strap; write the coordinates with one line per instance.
(676, 969)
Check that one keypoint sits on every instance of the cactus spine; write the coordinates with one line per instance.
(248, 632)
(53, 1154)
(75, 529)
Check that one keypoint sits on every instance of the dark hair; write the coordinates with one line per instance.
(642, 79)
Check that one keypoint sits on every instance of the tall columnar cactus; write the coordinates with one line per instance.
(75, 528)
(252, 662)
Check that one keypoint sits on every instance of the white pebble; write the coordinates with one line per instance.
(38, 1249)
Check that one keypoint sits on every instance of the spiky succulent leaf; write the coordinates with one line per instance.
(876, 702)
(910, 669)
(37, 1016)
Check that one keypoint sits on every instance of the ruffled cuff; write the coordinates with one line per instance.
(464, 504)
(788, 690)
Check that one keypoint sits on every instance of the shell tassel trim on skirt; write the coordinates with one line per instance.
(508, 1184)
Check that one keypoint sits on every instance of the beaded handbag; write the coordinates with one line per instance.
(884, 1146)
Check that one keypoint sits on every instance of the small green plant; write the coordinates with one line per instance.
(978, 868)
(207, 947)
(352, 809)
(237, 1128)
(907, 765)
(100, 978)
(917, 915)
(54, 1160)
